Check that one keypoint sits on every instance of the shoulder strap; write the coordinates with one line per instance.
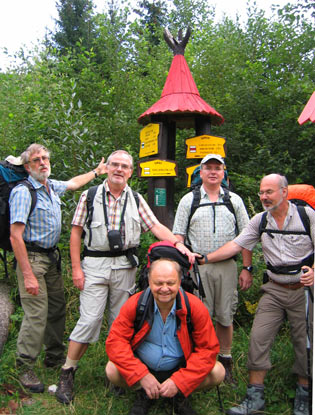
(305, 219)
(142, 307)
(33, 193)
(136, 196)
(263, 223)
(227, 201)
(194, 206)
(188, 315)
(89, 205)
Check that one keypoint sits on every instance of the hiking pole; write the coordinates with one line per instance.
(200, 286)
(220, 400)
(308, 295)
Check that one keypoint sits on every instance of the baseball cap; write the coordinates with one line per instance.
(211, 157)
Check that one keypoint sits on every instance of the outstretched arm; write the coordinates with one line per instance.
(79, 181)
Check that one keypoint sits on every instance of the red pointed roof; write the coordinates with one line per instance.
(180, 95)
(308, 114)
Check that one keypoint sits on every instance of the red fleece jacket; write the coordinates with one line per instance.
(200, 349)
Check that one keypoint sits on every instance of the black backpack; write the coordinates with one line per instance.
(10, 176)
(195, 204)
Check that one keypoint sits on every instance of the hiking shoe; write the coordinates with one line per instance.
(254, 403)
(52, 362)
(182, 405)
(301, 401)
(116, 390)
(31, 382)
(227, 362)
(141, 405)
(64, 392)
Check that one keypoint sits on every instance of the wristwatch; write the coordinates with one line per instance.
(249, 268)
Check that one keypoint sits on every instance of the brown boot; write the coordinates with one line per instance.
(227, 362)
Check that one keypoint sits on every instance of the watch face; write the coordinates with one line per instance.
(249, 269)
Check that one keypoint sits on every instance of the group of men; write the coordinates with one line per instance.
(165, 357)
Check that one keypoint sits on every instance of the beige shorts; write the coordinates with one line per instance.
(220, 285)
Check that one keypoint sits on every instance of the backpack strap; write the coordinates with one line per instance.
(194, 206)
(144, 301)
(304, 219)
(33, 194)
(190, 326)
(228, 203)
(90, 209)
(136, 196)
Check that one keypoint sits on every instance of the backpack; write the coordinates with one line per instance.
(195, 204)
(165, 249)
(10, 176)
(300, 198)
(145, 303)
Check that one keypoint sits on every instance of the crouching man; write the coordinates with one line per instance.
(166, 350)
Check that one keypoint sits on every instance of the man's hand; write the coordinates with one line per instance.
(245, 280)
(31, 284)
(168, 389)
(101, 168)
(184, 250)
(78, 278)
(151, 386)
(307, 278)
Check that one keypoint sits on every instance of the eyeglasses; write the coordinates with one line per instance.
(115, 165)
(268, 192)
(38, 159)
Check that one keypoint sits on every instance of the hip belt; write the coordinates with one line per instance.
(50, 252)
(129, 253)
(293, 286)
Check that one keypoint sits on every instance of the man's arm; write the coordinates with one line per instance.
(79, 181)
(246, 278)
(226, 251)
(20, 253)
(163, 233)
(75, 250)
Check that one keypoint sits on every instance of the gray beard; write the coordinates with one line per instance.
(39, 176)
(272, 208)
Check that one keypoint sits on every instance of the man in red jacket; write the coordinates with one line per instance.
(164, 358)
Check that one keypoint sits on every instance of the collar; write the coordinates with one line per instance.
(36, 184)
(204, 194)
(107, 189)
(172, 312)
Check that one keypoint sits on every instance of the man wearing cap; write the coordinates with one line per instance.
(220, 216)
(33, 238)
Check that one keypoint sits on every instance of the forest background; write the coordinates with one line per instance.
(81, 92)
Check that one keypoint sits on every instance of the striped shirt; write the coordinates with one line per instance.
(43, 226)
(281, 250)
(210, 228)
(114, 210)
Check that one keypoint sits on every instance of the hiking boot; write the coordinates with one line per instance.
(30, 381)
(53, 362)
(64, 392)
(116, 390)
(141, 405)
(301, 401)
(227, 362)
(254, 403)
(182, 405)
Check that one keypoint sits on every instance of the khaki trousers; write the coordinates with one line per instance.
(44, 314)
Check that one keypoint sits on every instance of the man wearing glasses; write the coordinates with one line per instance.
(33, 238)
(289, 255)
(108, 270)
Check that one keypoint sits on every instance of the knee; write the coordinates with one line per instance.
(112, 373)
(216, 376)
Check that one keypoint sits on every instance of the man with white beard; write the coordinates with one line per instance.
(33, 238)
(288, 250)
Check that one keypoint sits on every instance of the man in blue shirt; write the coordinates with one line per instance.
(33, 238)
(164, 358)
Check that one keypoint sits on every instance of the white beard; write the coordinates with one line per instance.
(40, 176)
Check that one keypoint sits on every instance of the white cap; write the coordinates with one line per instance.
(211, 157)
(16, 161)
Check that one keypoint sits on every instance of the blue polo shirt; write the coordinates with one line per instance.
(161, 349)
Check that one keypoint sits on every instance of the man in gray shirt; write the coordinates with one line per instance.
(289, 254)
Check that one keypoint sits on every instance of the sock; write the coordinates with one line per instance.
(228, 355)
(257, 385)
(70, 363)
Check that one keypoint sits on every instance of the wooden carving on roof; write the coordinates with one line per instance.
(177, 46)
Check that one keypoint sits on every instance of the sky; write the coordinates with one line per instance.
(24, 22)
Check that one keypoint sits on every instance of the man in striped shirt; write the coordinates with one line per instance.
(106, 273)
(33, 238)
(289, 254)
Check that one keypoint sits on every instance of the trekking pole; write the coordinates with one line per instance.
(220, 400)
(308, 295)
(200, 286)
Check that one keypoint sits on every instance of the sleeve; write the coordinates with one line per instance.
(80, 213)
(250, 236)
(59, 187)
(20, 204)
(118, 344)
(147, 217)
(182, 215)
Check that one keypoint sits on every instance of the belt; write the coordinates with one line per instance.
(129, 253)
(50, 252)
(293, 286)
